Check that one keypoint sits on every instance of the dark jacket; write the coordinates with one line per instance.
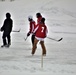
(7, 26)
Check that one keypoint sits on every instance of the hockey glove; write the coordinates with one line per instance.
(28, 34)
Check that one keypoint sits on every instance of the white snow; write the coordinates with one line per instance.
(61, 22)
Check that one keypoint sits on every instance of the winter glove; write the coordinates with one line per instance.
(28, 34)
(1, 30)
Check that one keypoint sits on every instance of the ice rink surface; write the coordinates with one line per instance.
(61, 22)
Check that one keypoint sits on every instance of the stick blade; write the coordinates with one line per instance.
(60, 39)
(16, 30)
(25, 38)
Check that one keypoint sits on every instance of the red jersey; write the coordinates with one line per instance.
(32, 26)
(41, 31)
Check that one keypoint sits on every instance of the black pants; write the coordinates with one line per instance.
(32, 39)
(6, 39)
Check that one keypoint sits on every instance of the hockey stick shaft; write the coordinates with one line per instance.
(55, 39)
(15, 30)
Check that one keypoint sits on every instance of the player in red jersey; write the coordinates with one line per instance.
(32, 24)
(39, 17)
(40, 33)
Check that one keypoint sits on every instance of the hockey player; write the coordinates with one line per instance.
(31, 28)
(39, 17)
(40, 33)
(7, 28)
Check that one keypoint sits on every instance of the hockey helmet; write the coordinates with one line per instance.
(30, 17)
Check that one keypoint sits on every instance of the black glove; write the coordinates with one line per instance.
(28, 34)
(1, 30)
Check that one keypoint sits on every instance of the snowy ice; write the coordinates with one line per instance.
(61, 22)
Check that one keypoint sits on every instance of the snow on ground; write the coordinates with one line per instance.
(61, 21)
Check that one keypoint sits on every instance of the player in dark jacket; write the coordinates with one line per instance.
(7, 28)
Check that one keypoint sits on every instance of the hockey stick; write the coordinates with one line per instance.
(16, 30)
(55, 39)
(42, 60)
(26, 38)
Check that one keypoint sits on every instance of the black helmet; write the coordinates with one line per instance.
(38, 15)
(43, 20)
(8, 15)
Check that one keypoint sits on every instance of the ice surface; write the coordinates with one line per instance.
(61, 21)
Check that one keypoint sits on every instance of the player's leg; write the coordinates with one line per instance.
(4, 40)
(34, 46)
(9, 40)
(43, 47)
(32, 39)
